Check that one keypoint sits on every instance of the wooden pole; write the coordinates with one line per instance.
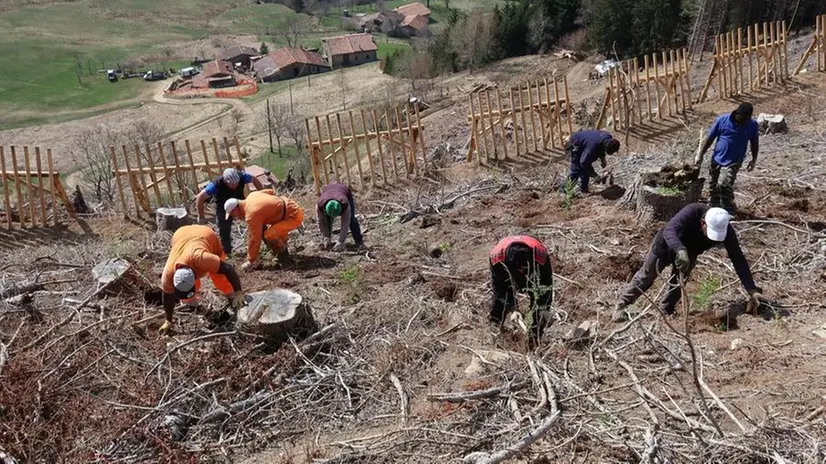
(628, 81)
(492, 124)
(373, 173)
(820, 37)
(766, 51)
(759, 82)
(6, 201)
(54, 181)
(771, 50)
(604, 109)
(411, 137)
(178, 174)
(114, 157)
(29, 190)
(558, 113)
(541, 115)
(343, 145)
(532, 115)
(687, 77)
(133, 183)
(314, 161)
(732, 68)
(524, 120)
(152, 177)
(241, 160)
(321, 158)
(229, 154)
(502, 122)
(610, 94)
(421, 134)
(656, 68)
(739, 53)
(514, 123)
(206, 160)
(167, 176)
(390, 145)
(647, 87)
(748, 56)
(481, 127)
(378, 142)
(785, 48)
(356, 148)
(473, 136)
(191, 160)
(637, 89)
(217, 156)
(568, 103)
(402, 143)
(551, 110)
(333, 152)
(39, 167)
(676, 82)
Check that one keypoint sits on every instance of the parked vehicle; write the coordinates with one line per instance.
(188, 72)
(111, 75)
(155, 76)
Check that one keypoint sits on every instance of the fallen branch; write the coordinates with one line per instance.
(404, 402)
(475, 395)
(187, 343)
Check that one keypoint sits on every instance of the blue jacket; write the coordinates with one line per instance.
(732, 139)
(587, 146)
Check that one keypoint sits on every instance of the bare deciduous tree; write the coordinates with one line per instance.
(473, 38)
(293, 30)
(275, 122)
(294, 126)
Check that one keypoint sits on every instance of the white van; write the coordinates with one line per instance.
(188, 72)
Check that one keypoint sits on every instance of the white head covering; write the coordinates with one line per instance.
(230, 205)
(231, 176)
(717, 220)
(184, 281)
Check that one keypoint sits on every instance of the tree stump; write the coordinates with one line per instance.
(119, 276)
(171, 219)
(78, 202)
(659, 195)
(772, 123)
(277, 315)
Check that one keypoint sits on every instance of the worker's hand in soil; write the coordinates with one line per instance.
(325, 245)
(698, 159)
(751, 165)
(682, 262)
(247, 266)
(165, 328)
(756, 296)
(339, 246)
(238, 300)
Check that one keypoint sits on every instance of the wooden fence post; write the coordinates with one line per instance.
(502, 122)
(558, 113)
(132, 183)
(343, 147)
(29, 190)
(356, 148)
(152, 176)
(376, 128)
(54, 181)
(144, 189)
(117, 180)
(5, 179)
(421, 134)
(366, 132)
(39, 166)
(311, 152)
(570, 115)
(191, 160)
(167, 175)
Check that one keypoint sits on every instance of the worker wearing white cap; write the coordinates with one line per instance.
(228, 185)
(692, 231)
(194, 253)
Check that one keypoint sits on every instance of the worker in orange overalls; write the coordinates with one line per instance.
(269, 217)
(195, 252)
(520, 263)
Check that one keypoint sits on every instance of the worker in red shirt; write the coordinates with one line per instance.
(521, 263)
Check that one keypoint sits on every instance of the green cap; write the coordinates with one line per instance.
(333, 208)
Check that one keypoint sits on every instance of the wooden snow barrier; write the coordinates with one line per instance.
(747, 60)
(817, 48)
(31, 189)
(519, 120)
(277, 315)
(168, 174)
(659, 195)
(396, 134)
(637, 91)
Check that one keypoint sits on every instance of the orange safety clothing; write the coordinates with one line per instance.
(198, 248)
(271, 218)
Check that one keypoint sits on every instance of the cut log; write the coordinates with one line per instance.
(772, 123)
(171, 219)
(659, 195)
(15, 290)
(119, 275)
(277, 315)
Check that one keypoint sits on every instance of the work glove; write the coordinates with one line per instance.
(682, 262)
(165, 328)
(756, 296)
(326, 244)
(339, 246)
(238, 300)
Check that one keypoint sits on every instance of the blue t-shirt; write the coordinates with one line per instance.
(212, 189)
(732, 139)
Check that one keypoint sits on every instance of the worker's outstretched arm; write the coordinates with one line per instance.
(200, 200)
(672, 230)
(228, 270)
(169, 302)
(713, 133)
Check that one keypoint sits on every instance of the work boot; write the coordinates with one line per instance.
(620, 314)
(284, 258)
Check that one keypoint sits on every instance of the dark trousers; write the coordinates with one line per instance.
(355, 228)
(721, 185)
(644, 278)
(506, 283)
(578, 174)
(224, 231)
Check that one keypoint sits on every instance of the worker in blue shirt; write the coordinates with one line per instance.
(733, 133)
(584, 148)
(230, 184)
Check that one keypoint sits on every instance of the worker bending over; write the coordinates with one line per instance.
(336, 200)
(584, 148)
(692, 231)
(195, 252)
(520, 263)
(269, 217)
(228, 185)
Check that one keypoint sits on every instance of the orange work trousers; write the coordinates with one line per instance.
(275, 236)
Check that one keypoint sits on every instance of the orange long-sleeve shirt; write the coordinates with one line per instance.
(196, 247)
(264, 208)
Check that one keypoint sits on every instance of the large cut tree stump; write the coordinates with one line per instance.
(659, 195)
(171, 219)
(119, 276)
(277, 315)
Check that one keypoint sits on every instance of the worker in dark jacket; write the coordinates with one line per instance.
(336, 200)
(692, 231)
(521, 263)
(584, 148)
(228, 185)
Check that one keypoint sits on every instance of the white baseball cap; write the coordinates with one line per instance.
(184, 282)
(717, 220)
(230, 205)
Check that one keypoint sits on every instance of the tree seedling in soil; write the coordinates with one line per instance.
(351, 277)
(568, 194)
(669, 191)
(702, 298)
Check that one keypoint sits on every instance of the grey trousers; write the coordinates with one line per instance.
(645, 277)
(722, 185)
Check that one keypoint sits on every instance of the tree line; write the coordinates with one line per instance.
(621, 28)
